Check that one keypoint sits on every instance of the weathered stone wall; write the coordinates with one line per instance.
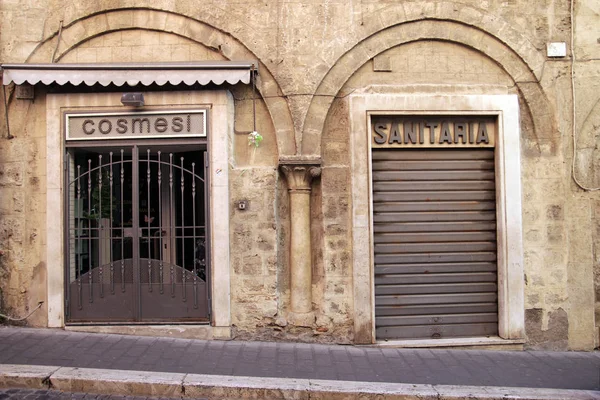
(22, 212)
(305, 48)
(334, 270)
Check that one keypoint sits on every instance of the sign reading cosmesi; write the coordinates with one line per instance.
(136, 125)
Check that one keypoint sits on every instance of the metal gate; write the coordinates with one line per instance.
(136, 234)
(434, 221)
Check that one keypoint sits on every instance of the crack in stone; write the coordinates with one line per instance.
(48, 382)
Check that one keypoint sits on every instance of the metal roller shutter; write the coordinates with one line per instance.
(434, 221)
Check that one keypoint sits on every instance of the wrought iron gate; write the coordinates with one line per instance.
(136, 235)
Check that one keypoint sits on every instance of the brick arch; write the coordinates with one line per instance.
(517, 68)
(89, 27)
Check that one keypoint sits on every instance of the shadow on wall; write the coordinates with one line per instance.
(555, 338)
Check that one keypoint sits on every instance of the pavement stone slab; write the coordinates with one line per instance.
(108, 381)
(43, 394)
(215, 386)
(25, 376)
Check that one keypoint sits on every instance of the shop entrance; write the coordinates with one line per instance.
(136, 236)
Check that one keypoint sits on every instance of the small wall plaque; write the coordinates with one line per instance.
(24, 92)
(557, 49)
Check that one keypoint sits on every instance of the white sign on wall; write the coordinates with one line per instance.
(135, 125)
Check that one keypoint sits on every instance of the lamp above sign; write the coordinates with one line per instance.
(135, 125)
(413, 131)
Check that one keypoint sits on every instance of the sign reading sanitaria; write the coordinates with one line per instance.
(413, 131)
(136, 125)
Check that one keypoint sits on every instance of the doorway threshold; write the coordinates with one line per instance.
(183, 331)
(476, 343)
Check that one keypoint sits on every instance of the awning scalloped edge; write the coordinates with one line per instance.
(131, 74)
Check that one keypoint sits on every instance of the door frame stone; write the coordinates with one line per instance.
(220, 125)
(511, 309)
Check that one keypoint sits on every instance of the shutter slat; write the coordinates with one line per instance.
(437, 319)
(435, 288)
(447, 165)
(468, 226)
(446, 154)
(434, 268)
(424, 237)
(437, 331)
(451, 298)
(427, 206)
(433, 175)
(409, 279)
(433, 258)
(438, 247)
(435, 216)
(379, 197)
(435, 309)
(393, 186)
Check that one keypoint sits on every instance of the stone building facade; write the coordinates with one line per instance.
(293, 248)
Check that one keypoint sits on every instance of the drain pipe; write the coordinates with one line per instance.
(574, 106)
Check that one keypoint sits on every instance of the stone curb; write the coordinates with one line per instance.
(164, 384)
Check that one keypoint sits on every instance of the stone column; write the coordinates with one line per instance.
(299, 174)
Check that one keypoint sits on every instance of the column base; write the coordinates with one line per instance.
(302, 319)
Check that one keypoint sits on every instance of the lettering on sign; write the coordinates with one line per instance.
(433, 131)
(139, 125)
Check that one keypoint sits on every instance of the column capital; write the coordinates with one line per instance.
(300, 171)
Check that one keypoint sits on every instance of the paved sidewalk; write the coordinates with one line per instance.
(533, 369)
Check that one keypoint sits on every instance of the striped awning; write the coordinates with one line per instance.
(132, 74)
